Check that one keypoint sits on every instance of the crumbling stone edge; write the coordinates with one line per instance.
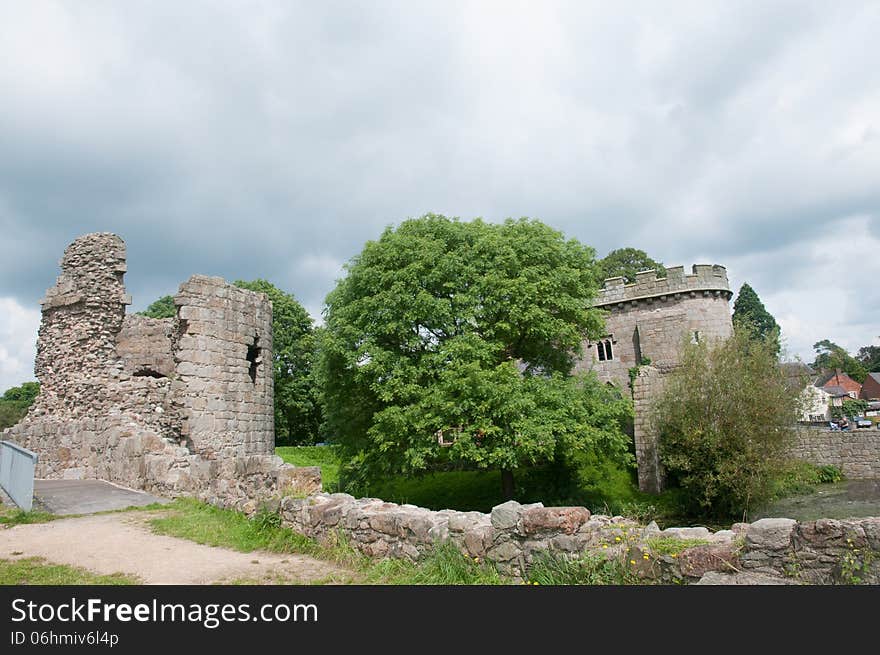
(767, 551)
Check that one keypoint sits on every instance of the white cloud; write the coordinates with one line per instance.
(18, 343)
(821, 289)
(272, 139)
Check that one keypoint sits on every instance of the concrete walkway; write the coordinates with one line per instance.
(65, 497)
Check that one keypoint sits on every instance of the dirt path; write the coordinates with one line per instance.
(123, 543)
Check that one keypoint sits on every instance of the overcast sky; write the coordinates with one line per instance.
(272, 139)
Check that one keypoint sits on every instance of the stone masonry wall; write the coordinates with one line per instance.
(512, 536)
(180, 406)
(647, 386)
(856, 453)
(226, 398)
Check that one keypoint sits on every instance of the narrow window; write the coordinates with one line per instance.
(696, 337)
(254, 359)
(609, 354)
(601, 348)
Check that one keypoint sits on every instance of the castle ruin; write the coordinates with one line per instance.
(646, 324)
(178, 406)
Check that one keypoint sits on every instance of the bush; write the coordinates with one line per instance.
(724, 419)
(829, 474)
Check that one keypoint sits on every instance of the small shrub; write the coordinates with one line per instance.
(829, 474)
(724, 420)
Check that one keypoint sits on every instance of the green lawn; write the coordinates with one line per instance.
(36, 571)
(599, 485)
(206, 524)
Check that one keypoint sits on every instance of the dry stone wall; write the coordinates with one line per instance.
(512, 536)
(180, 406)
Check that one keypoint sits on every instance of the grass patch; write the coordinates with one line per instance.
(588, 569)
(324, 456)
(671, 545)
(36, 571)
(212, 526)
(445, 565)
(14, 516)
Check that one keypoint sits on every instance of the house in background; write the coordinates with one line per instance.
(834, 381)
(871, 387)
(813, 401)
(815, 404)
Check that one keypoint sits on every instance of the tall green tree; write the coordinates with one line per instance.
(869, 358)
(831, 357)
(294, 343)
(724, 419)
(750, 314)
(450, 344)
(164, 307)
(626, 262)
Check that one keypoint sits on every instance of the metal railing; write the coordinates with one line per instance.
(17, 466)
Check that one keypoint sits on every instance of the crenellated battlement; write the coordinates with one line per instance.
(704, 279)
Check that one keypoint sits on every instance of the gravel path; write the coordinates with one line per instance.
(123, 543)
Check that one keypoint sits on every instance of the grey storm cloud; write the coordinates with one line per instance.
(272, 139)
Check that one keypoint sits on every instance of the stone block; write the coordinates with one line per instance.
(298, 479)
(507, 515)
(770, 534)
(544, 519)
(687, 533)
(504, 552)
(696, 562)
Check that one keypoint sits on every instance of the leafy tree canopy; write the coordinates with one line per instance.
(450, 344)
(750, 314)
(724, 420)
(869, 357)
(626, 262)
(162, 308)
(15, 402)
(297, 411)
(26, 392)
(830, 357)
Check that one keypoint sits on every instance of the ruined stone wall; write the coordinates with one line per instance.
(180, 406)
(82, 314)
(512, 536)
(856, 453)
(647, 386)
(226, 397)
(653, 316)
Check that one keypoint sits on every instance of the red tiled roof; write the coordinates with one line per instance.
(843, 380)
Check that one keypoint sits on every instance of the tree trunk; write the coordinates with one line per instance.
(507, 484)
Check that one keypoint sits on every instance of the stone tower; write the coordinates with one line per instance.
(646, 324)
